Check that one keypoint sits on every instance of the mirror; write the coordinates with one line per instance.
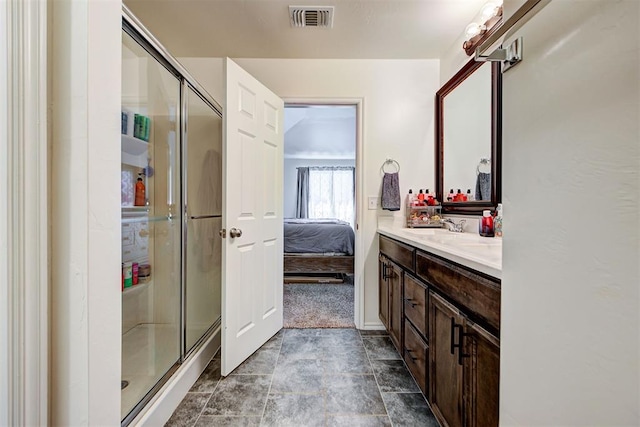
(468, 150)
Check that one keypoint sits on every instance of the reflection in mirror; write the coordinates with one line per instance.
(468, 148)
(467, 133)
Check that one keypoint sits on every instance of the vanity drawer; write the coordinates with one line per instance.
(415, 303)
(400, 253)
(415, 356)
(476, 293)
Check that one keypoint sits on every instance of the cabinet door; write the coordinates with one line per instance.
(481, 377)
(396, 276)
(383, 291)
(445, 371)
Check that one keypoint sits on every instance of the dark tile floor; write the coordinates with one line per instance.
(310, 377)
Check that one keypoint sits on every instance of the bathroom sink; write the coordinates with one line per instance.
(419, 231)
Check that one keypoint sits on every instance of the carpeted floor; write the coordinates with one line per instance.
(318, 305)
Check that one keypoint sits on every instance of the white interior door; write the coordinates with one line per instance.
(252, 257)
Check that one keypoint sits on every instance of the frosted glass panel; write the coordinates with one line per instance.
(203, 152)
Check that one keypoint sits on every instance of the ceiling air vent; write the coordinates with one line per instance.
(311, 16)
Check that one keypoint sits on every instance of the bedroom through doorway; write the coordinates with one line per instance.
(319, 215)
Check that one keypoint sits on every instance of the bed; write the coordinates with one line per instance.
(318, 247)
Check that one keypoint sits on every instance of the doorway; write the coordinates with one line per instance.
(320, 214)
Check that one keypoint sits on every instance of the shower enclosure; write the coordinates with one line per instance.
(171, 198)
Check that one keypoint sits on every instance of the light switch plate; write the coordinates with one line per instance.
(374, 203)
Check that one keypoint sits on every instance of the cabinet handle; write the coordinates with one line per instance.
(460, 345)
(410, 301)
(386, 276)
(453, 336)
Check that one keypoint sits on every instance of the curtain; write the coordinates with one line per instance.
(331, 193)
(302, 199)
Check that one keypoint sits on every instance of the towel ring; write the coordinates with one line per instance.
(391, 162)
(483, 162)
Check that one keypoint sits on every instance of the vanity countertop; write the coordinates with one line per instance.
(483, 254)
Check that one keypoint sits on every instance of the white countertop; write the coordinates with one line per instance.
(483, 254)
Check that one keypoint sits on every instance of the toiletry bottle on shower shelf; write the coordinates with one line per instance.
(140, 199)
(469, 195)
(421, 198)
(486, 224)
(450, 196)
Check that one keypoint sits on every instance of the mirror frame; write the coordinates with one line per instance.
(473, 207)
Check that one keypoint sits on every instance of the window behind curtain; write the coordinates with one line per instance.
(331, 193)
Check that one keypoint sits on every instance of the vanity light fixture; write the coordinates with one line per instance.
(490, 20)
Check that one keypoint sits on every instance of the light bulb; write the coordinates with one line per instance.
(490, 10)
(473, 30)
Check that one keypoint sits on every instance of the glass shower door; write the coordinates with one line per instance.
(202, 166)
(151, 222)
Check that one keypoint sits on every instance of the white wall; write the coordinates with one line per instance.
(571, 182)
(85, 214)
(291, 178)
(397, 118)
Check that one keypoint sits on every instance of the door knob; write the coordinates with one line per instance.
(235, 232)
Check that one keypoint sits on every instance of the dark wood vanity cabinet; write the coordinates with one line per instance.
(391, 278)
(481, 376)
(446, 371)
(396, 280)
(383, 291)
(444, 319)
(465, 368)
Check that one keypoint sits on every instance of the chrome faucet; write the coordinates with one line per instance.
(456, 227)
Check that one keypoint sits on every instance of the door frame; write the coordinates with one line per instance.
(358, 276)
(24, 266)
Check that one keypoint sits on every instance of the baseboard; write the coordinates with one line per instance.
(373, 326)
(169, 397)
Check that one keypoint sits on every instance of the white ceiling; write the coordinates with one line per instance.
(320, 132)
(363, 29)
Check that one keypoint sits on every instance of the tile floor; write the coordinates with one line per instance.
(310, 377)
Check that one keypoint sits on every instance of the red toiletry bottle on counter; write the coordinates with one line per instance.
(486, 224)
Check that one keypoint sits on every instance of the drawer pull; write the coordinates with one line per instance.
(408, 353)
(410, 301)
